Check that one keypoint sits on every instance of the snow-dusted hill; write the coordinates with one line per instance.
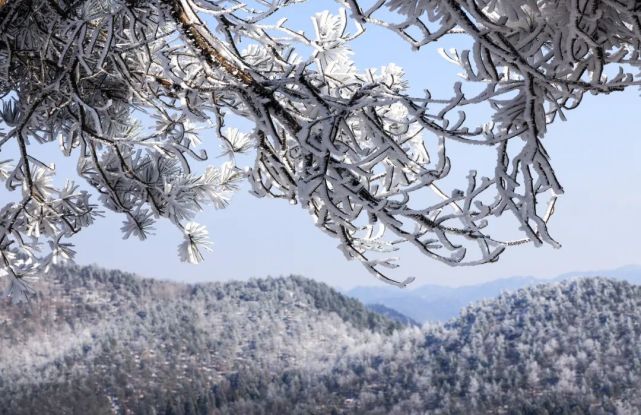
(99, 342)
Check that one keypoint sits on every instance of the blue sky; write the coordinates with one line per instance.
(597, 154)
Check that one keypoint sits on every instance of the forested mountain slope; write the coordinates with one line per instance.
(98, 341)
(564, 348)
(392, 314)
(106, 342)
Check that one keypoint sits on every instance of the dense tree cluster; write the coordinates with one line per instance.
(103, 342)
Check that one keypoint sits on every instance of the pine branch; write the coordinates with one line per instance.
(203, 40)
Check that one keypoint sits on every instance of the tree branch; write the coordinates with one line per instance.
(210, 47)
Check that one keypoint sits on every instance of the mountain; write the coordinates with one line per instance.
(98, 341)
(440, 303)
(561, 348)
(103, 342)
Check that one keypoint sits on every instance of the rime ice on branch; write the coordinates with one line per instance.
(348, 144)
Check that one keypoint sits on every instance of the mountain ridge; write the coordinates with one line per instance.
(438, 303)
(106, 342)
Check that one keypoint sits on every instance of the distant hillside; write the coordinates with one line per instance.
(392, 314)
(102, 342)
(99, 341)
(440, 303)
(629, 273)
(563, 348)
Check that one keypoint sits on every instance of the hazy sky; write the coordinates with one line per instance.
(597, 155)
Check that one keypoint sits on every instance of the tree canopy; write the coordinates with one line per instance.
(125, 86)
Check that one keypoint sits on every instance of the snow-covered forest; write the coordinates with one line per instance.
(108, 342)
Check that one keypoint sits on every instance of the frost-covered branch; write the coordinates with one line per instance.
(366, 158)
